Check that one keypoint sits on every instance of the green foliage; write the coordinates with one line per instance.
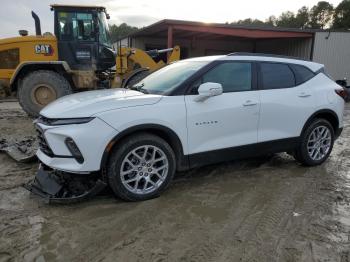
(249, 21)
(342, 15)
(320, 16)
(118, 32)
(286, 19)
(302, 18)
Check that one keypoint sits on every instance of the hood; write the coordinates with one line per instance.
(86, 104)
(30, 38)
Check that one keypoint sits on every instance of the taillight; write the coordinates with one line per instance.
(342, 93)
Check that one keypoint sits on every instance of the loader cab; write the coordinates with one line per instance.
(83, 37)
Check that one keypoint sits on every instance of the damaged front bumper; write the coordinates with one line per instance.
(60, 187)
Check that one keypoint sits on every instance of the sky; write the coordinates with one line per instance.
(15, 14)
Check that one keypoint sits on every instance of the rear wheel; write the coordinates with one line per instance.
(316, 143)
(40, 88)
(141, 167)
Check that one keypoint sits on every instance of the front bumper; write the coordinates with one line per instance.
(57, 187)
(91, 138)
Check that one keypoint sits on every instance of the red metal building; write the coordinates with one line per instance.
(199, 39)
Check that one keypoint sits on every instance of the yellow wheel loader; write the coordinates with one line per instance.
(78, 57)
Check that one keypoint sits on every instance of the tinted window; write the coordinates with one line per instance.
(233, 76)
(169, 77)
(76, 26)
(302, 74)
(274, 75)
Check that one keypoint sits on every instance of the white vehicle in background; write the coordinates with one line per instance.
(194, 112)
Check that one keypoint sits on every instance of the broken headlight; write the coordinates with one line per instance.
(63, 121)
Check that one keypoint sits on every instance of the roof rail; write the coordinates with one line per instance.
(266, 55)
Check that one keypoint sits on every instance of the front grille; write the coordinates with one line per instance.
(43, 146)
(9, 58)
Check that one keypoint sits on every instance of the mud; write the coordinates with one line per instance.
(268, 209)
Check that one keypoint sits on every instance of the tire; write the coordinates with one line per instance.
(135, 189)
(308, 156)
(51, 85)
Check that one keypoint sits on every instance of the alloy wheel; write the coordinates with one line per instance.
(319, 143)
(144, 169)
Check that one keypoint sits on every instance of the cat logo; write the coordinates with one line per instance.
(44, 49)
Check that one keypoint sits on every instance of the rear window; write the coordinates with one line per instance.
(275, 76)
(302, 74)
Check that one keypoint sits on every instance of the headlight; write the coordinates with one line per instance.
(63, 121)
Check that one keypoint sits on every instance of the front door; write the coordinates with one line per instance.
(228, 120)
(77, 38)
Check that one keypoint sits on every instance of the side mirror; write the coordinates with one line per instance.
(208, 90)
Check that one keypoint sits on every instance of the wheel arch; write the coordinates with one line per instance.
(25, 68)
(326, 114)
(164, 132)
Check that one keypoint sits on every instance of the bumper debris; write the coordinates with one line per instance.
(21, 151)
(60, 187)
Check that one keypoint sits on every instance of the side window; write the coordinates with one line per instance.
(233, 76)
(302, 74)
(76, 26)
(275, 75)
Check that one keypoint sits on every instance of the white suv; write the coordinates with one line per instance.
(191, 113)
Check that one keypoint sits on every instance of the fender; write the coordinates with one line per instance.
(322, 112)
(164, 132)
(21, 66)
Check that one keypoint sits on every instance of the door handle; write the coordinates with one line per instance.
(250, 103)
(303, 94)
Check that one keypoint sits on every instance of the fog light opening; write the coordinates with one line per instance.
(73, 148)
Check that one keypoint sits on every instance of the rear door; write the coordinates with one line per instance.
(228, 120)
(286, 101)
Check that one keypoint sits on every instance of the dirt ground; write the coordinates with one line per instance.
(268, 209)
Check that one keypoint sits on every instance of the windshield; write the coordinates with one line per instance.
(104, 35)
(169, 77)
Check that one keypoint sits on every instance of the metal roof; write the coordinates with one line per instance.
(179, 26)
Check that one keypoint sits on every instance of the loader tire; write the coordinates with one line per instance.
(39, 88)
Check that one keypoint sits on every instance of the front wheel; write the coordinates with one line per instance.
(316, 143)
(141, 167)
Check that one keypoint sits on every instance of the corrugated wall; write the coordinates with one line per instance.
(333, 50)
(291, 47)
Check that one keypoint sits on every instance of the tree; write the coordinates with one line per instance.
(118, 32)
(287, 19)
(342, 15)
(302, 19)
(321, 15)
(249, 21)
(271, 21)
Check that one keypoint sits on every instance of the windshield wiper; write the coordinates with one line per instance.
(139, 88)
